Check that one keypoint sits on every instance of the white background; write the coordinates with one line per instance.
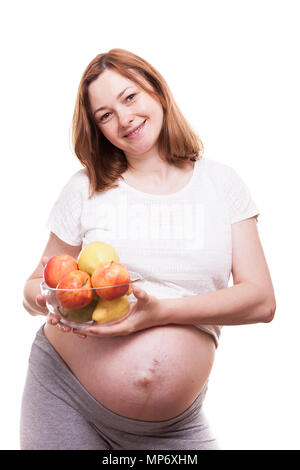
(233, 68)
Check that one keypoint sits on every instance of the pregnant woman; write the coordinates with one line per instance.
(185, 223)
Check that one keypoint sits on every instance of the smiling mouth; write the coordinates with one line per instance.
(136, 131)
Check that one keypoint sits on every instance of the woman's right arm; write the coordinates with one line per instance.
(33, 301)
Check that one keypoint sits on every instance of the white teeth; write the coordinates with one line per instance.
(135, 132)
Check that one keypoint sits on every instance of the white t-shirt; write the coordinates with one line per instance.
(180, 243)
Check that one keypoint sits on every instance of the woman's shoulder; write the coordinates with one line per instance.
(215, 166)
(219, 172)
(80, 176)
(76, 185)
(222, 175)
(78, 181)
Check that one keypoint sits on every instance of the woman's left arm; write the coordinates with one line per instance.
(250, 300)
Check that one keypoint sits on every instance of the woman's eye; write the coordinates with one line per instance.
(133, 94)
(103, 117)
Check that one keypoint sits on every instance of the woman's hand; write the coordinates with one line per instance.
(146, 312)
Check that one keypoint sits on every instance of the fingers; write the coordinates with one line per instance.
(79, 334)
(54, 320)
(67, 329)
(140, 294)
(122, 328)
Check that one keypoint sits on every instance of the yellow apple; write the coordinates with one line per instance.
(111, 310)
(96, 253)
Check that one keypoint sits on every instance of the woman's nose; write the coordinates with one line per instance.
(125, 119)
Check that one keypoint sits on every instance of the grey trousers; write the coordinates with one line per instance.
(58, 413)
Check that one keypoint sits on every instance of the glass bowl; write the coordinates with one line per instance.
(61, 302)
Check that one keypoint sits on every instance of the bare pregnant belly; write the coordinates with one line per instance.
(151, 375)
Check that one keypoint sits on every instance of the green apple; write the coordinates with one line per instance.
(79, 315)
(94, 254)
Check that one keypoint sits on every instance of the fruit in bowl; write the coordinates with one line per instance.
(57, 267)
(108, 311)
(78, 315)
(74, 290)
(100, 293)
(114, 276)
(104, 312)
(95, 253)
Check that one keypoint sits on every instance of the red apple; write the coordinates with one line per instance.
(79, 298)
(57, 267)
(110, 275)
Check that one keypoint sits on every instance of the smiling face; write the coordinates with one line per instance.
(119, 106)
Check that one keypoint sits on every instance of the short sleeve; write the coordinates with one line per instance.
(65, 216)
(238, 197)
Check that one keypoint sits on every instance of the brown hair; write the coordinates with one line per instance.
(104, 162)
